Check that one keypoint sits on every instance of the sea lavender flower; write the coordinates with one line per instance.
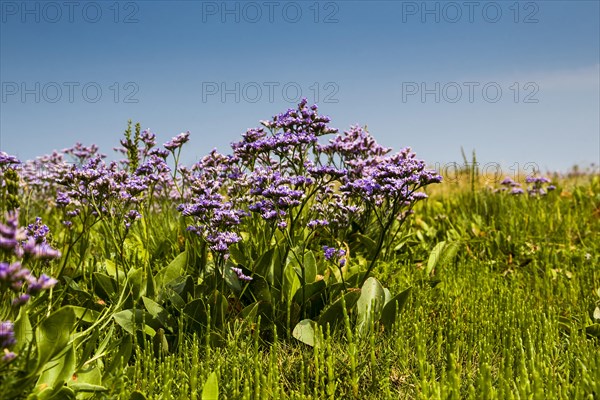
(177, 141)
(12, 276)
(508, 182)
(36, 285)
(7, 334)
(240, 274)
(316, 223)
(6, 159)
(538, 185)
(335, 255)
(8, 355)
(7, 340)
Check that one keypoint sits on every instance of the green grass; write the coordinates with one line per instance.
(507, 320)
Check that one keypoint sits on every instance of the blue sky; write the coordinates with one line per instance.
(518, 82)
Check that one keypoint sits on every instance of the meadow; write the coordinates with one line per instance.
(304, 264)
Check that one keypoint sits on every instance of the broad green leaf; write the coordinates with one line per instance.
(172, 271)
(135, 280)
(391, 309)
(88, 379)
(137, 395)
(370, 304)
(304, 331)
(291, 282)
(369, 243)
(210, 390)
(81, 387)
(334, 313)
(56, 372)
(231, 277)
(105, 287)
(130, 321)
(196, 313)
(264, 265)
(435, 256)
(310, 267)
(310, 290)
(23, 329)
(53, 334)
(150, 284)
(158, 313)
(259, 289)
(237, 254)
(85, 314)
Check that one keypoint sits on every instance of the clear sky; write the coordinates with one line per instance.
(518, 82)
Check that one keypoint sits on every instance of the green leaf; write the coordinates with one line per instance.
(304, 331)
(23, 329)
(391, 309)
(310, 290)
(369, 243)
(263, 265)
(135, 280)
(435, 256)
(237, 254)
(87, 388)
(105, 287)
(196, 312)
(334, 313)
(130, 321)
(158, 313)
(85, 314)
(88, 379)
(370, 304)
(210, 390)
(310, 267)
(137, 395)
(291, 282)
(172, 271)
(259, 289)
(57, 372)
(150, 284)
(53, 334)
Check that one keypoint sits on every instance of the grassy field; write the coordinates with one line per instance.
(505, 318)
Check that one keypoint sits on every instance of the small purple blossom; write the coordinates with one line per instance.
(36, 285)
(177, 141)
(6, 159)
(240, 274)
(7, 334)
(333, 254)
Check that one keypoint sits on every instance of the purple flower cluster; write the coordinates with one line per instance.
(7, 340)
(335, 255)
(177, 141)
(21, 244)
(282, 174)
(513, 187)
(7, 159)
(537, 186)
(107, 189)
(30, 242)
